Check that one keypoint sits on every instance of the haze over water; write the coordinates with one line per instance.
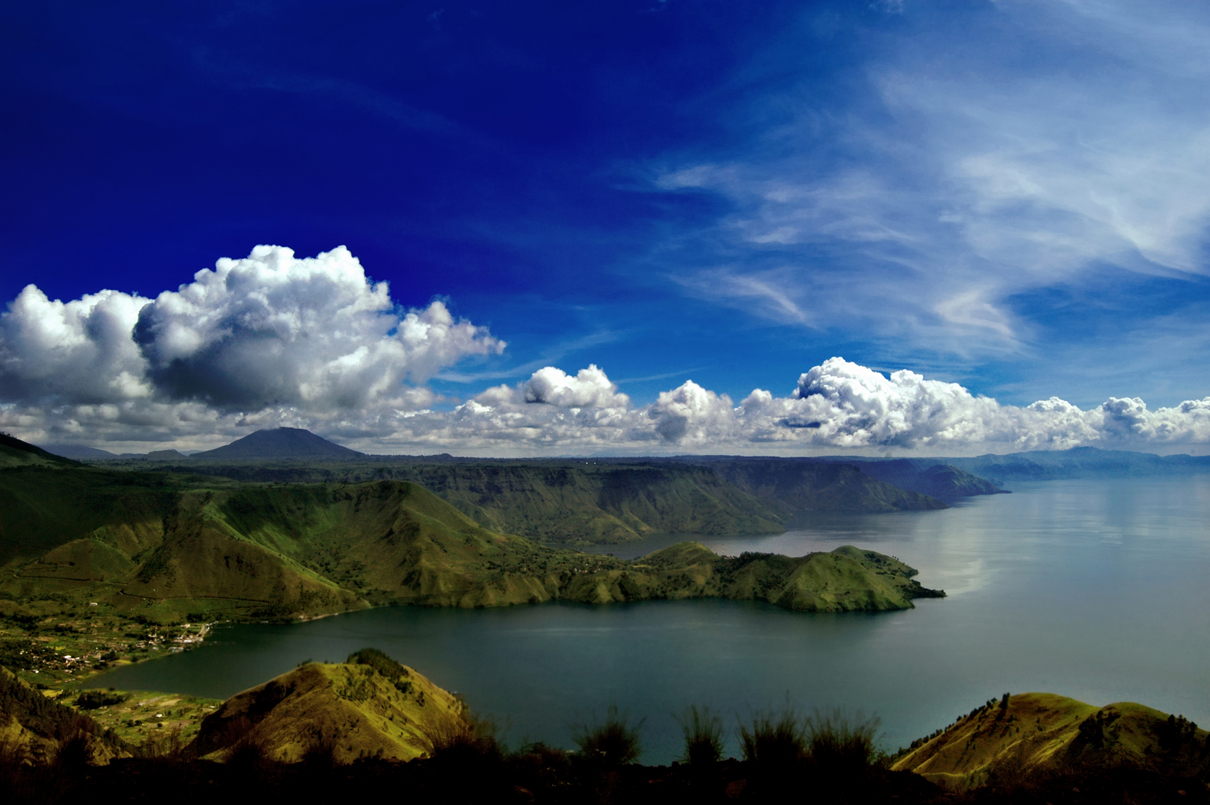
(1091, 589)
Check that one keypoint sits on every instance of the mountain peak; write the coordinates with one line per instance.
(280, 443)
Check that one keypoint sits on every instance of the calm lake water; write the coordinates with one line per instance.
(1098, 590)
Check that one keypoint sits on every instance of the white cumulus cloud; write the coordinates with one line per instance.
(590, 388)
(264, 341)
(314, 333)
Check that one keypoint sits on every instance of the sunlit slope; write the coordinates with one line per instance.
(1046, 731)
(35, 727)
(370, 706)
(290, 550)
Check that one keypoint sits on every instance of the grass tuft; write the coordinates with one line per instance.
(774, 740)
(840, 745)
(703, 733)
(612, 742)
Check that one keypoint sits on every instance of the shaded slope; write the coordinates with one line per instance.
(293, 443)
(584, 503)
(942, 481)
(1046, 731)
(370, 706)
(42, 508)
(801, 486)
(78, 452)
(16, 453)
(562, 504)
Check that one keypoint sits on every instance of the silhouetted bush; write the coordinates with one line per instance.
(464, 738)
(839, 745)
(612, 742)
(320, 754)
(703, 733)
(773, 741)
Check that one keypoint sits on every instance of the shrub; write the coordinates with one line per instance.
(840, 745)
(461, 738)
(170, 746)
(612, 742)
(320, 754)
(94, 699)
(703, 733)
(773, 741)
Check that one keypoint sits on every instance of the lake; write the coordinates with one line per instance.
(1092, 589)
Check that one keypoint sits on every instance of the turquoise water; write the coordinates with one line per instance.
(1092, 589)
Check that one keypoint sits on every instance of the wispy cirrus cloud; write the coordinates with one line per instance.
(1027, 146)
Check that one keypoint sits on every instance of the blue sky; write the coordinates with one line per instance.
(1008, 196)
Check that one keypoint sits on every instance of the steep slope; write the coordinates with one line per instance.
(942, 481)
(802, 486)
(38, 727)
(292, 443)
(42, 507)
(571, 505)
(16, 453)
(580, 503)
(368, 706)
(1046, 731)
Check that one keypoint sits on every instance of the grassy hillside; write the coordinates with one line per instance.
(581, 503)
(369, 706)
(1043, 731)
(802, 486)
(269, 550)
(942, 481)
(16, 453)
(43, 507)
(36, 727)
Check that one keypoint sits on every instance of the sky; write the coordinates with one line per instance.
(906, 227)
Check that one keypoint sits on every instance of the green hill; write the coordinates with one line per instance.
(16, 453)
(369, 706)
(135, 541)
(37, 727)
(942, 481)
(1043, 731)
(810, 486)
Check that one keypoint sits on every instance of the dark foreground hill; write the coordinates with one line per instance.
(16, 453)
(336, 732)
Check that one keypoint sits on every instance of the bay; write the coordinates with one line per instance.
(1091, 589)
